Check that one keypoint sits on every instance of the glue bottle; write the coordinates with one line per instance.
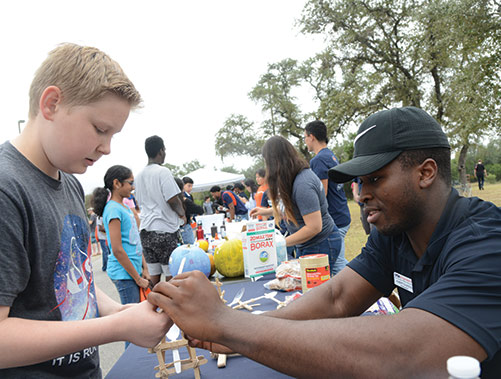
(463, 367)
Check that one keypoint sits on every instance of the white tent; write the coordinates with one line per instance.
(205, 178)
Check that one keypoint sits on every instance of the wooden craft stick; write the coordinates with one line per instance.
(221, 360)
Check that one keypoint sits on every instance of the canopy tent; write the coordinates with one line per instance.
(205, 178)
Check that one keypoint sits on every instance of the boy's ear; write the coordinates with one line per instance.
(50, 101)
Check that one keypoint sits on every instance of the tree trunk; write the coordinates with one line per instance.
(462, 164)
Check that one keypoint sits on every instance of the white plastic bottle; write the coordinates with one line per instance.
(463, 367)
(281, 248)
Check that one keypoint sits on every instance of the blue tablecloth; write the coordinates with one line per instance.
(136, 362)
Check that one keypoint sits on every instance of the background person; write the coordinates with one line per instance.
(263, 187)
(298, 198)
(126, 266)
(161, 210)
(232, 202)
(442, 251)
(103, 241)
(315, 138)
(480, 174)
(190, 209)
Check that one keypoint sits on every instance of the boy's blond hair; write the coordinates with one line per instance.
(83, 74)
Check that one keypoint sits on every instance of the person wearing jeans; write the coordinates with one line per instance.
(298, 198)
(103, 241)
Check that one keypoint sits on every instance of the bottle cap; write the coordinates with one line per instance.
(463, 367)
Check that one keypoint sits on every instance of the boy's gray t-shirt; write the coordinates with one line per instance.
(45, 267)
(308, 196)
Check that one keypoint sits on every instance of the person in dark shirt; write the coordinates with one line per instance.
(440, 250)
(480, 174)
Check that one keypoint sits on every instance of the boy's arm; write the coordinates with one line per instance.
(25, 342)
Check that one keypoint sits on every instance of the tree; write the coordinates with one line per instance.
(238, 137)
(185, 168)
(440, 55)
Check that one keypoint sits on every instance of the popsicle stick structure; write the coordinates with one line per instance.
(166, 370)
(218, 285)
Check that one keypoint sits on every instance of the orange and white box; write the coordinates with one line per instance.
(258, 243)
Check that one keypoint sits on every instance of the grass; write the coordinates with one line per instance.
(356, 237)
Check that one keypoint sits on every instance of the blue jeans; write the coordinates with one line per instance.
(106, 252)
(330, 246)
(187, 234)
(129, 293)
(341, 261)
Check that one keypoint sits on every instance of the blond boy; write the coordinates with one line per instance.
(52, 316)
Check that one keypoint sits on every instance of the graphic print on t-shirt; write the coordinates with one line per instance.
(73, 279)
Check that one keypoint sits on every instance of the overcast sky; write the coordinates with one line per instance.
(194, 62)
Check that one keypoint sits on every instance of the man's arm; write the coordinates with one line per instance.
(177, 206)
(26, 342)
(231, 208)
(372, 346)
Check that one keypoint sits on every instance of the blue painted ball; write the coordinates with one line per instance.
(196, 259)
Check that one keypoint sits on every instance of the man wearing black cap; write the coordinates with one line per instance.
(441, 251)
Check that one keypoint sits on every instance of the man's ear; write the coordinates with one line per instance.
(428, 171)
(50, 102)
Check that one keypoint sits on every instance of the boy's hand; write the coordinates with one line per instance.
(142, 325)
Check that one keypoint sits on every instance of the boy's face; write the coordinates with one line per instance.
(188, 187)
(78, 136)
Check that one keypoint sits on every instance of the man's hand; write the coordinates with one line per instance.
(193, 303)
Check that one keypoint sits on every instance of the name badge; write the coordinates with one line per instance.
(403, 282)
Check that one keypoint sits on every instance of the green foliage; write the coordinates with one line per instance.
(180, 171)
(441, 55)
(238, 137)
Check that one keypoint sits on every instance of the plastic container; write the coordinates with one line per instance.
(463, 367)
(281, 247)
(315, 270)
(213, 230)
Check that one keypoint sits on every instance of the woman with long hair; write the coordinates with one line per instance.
(298, 198)
(126, 265)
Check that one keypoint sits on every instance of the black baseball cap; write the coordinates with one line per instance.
(384, 135)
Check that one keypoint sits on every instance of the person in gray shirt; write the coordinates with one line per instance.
(298, 197)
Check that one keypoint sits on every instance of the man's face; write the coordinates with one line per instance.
(188, 187)
(215, 195)
(392, 201)
(308, 141)
(78, 136)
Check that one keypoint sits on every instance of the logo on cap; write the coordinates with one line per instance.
(361, 134)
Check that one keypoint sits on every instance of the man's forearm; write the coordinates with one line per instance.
(176, 205)
(357, 347)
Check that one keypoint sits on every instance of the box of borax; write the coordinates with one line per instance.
(258, 242)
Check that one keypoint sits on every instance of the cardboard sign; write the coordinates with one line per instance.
(258, 243)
